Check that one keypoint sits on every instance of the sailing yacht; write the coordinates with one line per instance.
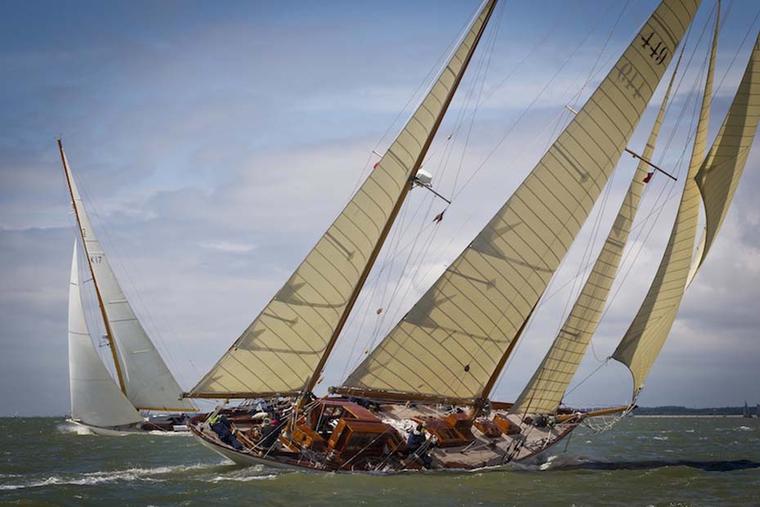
(143, 384)
(421, 399)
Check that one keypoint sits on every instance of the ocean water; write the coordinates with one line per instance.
(641, 461)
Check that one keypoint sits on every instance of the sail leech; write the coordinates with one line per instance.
(286, 346)
(449, 344)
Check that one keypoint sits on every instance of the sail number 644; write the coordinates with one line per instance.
(658, 52)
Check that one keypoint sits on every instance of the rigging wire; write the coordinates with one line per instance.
(387, 264)
(104, 236)
(657, 212)
(528, 325)
(543, 301)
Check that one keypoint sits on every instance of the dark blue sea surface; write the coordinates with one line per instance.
(641, 461)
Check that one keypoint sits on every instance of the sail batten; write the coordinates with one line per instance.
(145, 378)
(649, 329)
(452, 340)
(550, 381)
(311, 309)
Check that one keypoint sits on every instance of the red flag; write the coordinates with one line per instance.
(376, 164)
(439, 217)
(648, 177)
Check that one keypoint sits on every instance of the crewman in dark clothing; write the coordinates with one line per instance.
(223, 428)
(415, 443)
(269, 432)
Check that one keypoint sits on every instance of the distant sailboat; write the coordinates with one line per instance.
(421, 398)
(144, 381)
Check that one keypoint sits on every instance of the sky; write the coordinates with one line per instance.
(215, 142)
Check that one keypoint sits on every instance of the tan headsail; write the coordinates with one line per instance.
(546, 388)
(719, 176)
(284, 348)
(452, 342)
(647, 333)
(142, 373)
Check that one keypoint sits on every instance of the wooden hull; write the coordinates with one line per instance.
(247, 459)
(524, 441)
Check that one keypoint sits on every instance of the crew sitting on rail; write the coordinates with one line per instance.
(223, 428)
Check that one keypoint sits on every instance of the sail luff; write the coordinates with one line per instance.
(95, 397)
(489, 6)
(286, 346)
(550, 381)
(647, 333)
(148, 383)
(74, 194)
(450, 342)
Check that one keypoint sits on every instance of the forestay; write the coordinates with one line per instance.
(547, 387)
(452, 342)
(95, 397)
(647, 333)
(280, 352)
(147, 381)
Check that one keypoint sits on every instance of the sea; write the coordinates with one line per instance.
(644, 461)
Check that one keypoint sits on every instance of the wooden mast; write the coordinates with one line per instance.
(389, 223)
(109, 333)
(488, 387)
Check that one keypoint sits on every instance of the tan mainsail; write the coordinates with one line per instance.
(720, 174)
(452, 343)
(142, 373)
(286, 345)
(546, 388)
(647, 333)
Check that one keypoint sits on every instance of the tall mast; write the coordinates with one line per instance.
(451, 341)
(550, 381)
(420, 158)
(284, 350)
(83, 236)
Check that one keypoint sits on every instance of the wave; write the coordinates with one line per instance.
(95, 478)
(579, 463)
(75, 429)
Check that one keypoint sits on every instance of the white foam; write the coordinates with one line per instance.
(94, 478)
(76, 429)
(223, 478)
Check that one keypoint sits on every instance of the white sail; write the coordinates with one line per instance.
(145, 378)
(285, 347)
(95, 397)
(647, 333)
(455, 340)
(547, 387)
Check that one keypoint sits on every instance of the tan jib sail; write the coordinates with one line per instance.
(290, 339)
(719, 176)
(452, 343)
(547, 387)
(140, 370)
(647, 333)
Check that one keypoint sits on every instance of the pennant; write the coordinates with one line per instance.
(439, 217)
(376, 164)
(648, 177)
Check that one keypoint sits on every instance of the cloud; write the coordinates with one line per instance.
(213, 146)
